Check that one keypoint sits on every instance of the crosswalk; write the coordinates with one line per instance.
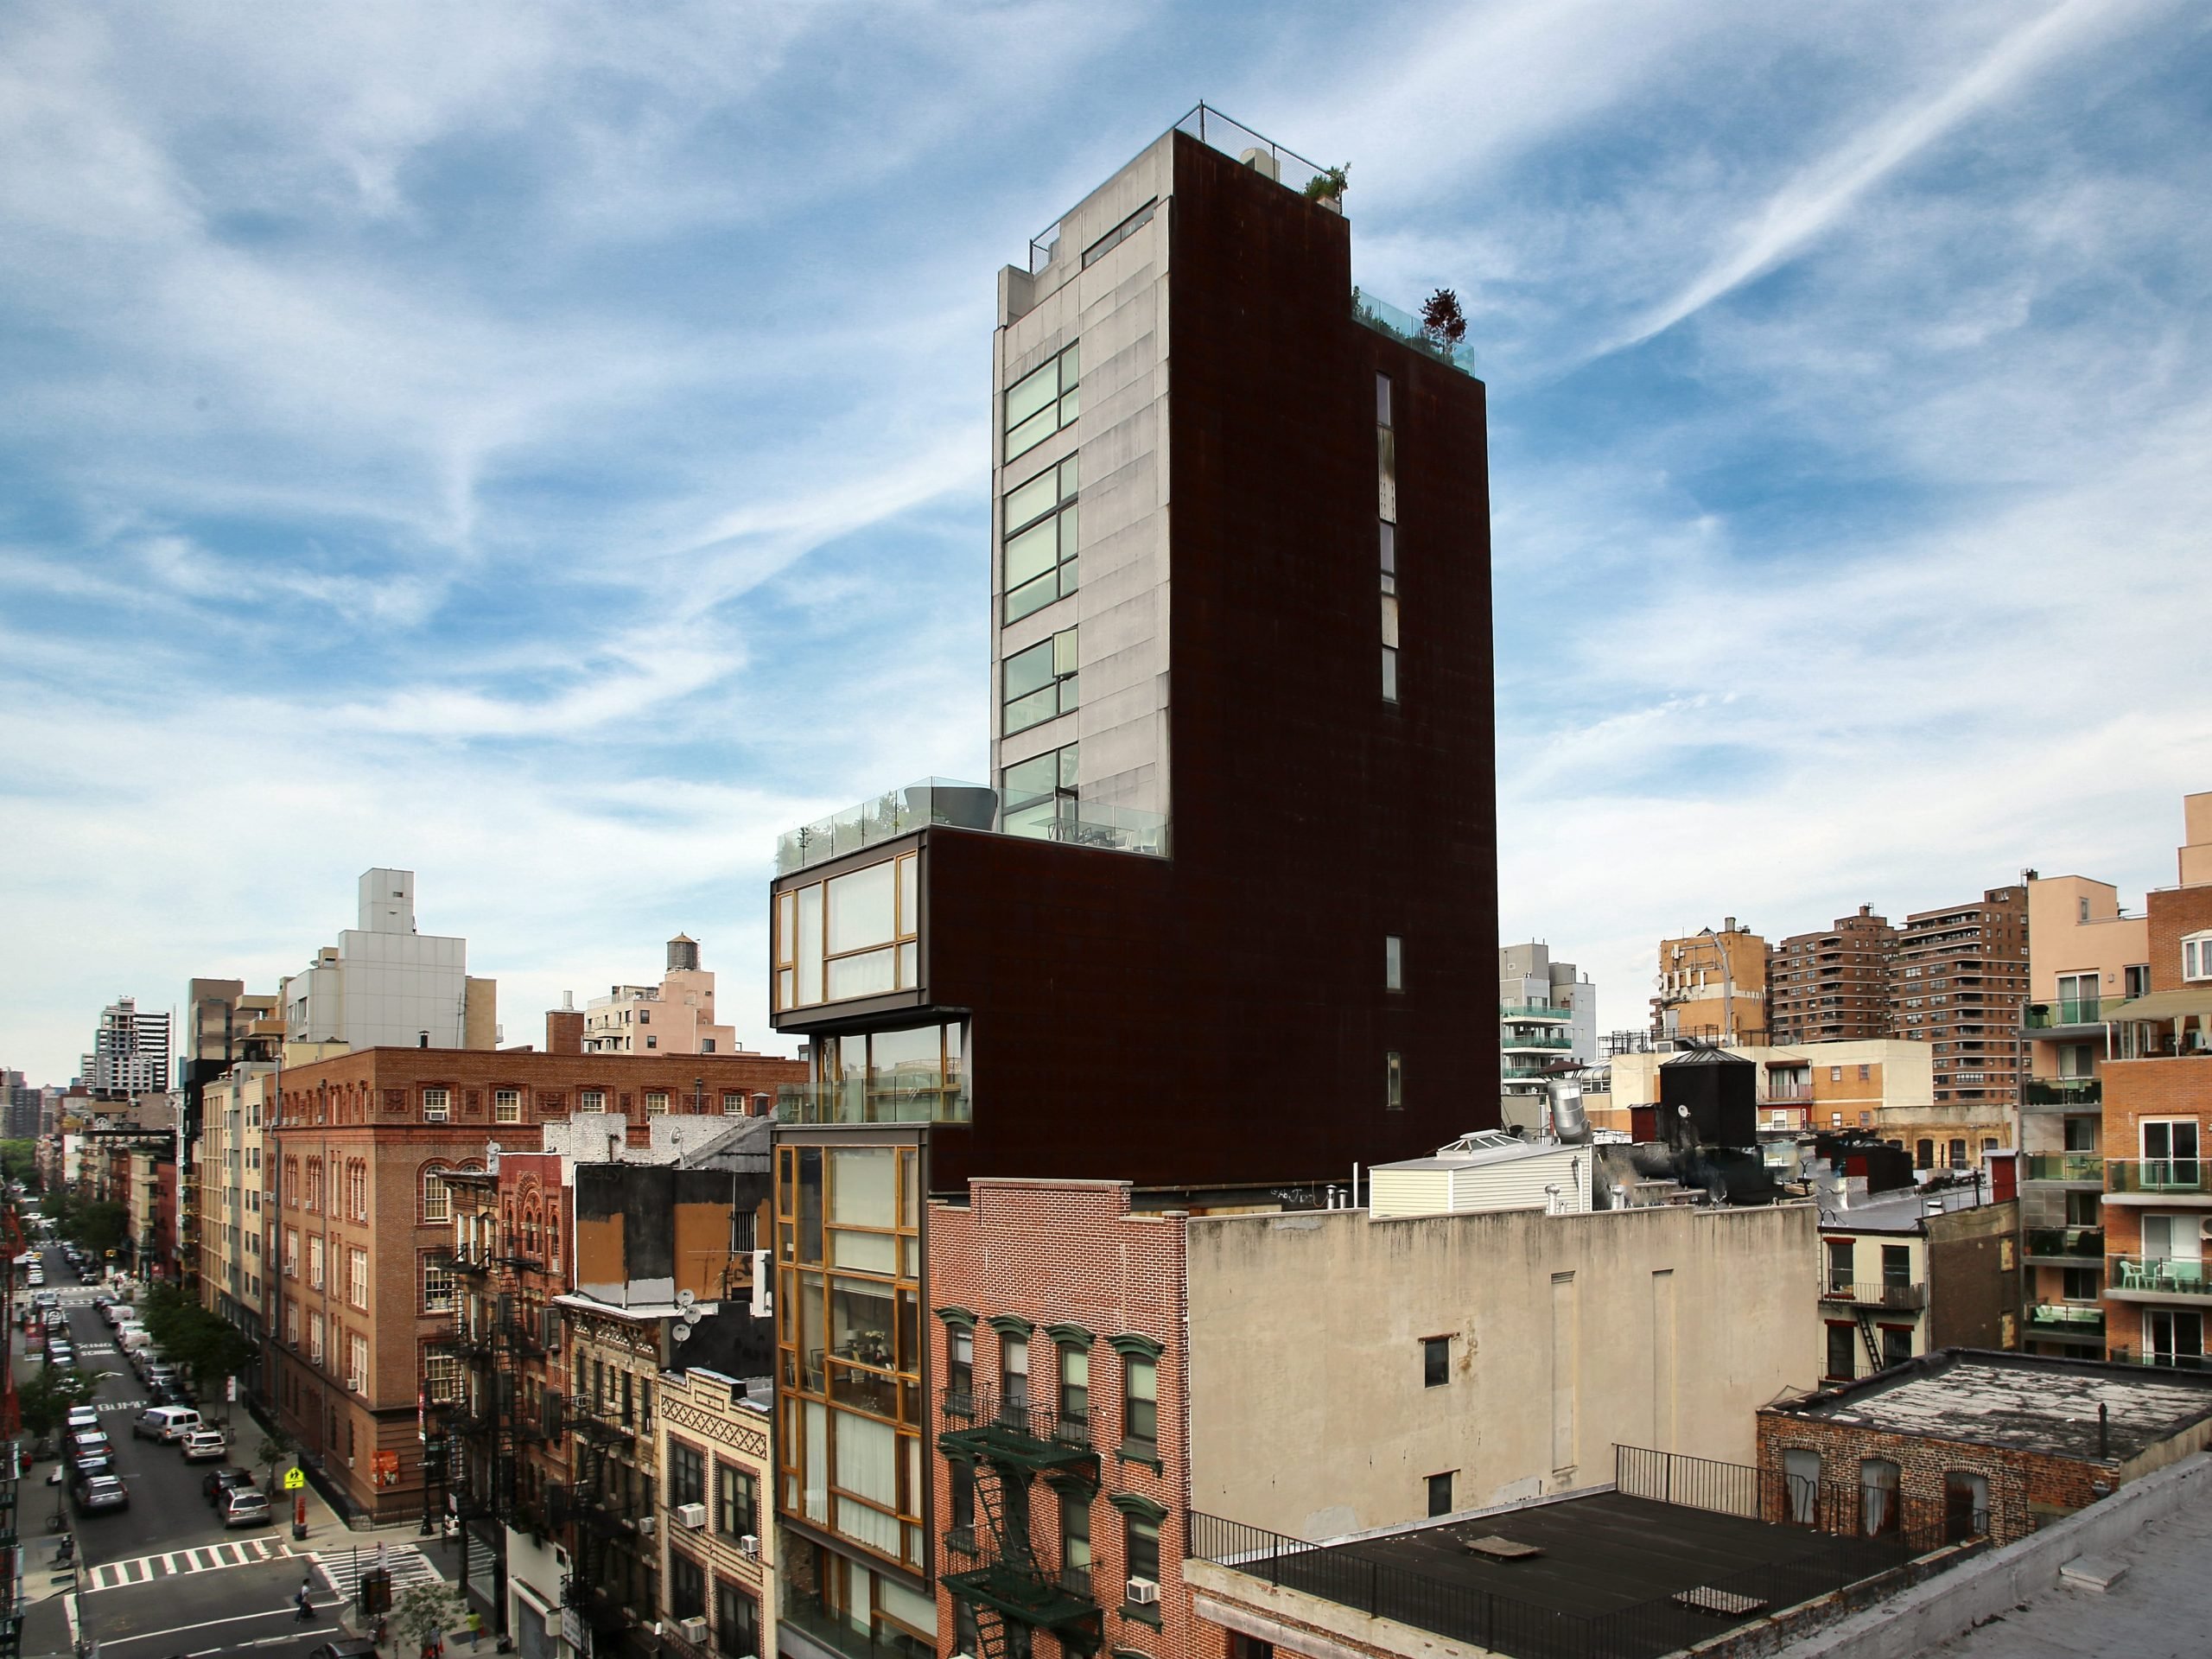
(343, 1568)
(245, 1552)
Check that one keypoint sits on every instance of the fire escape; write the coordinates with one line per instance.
(493, 1337)
(1008, 1443)
(603, 1507)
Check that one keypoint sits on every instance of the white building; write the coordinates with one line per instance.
(1546, 1014)
(384, 985)
(674, 1017)
(131, 1051)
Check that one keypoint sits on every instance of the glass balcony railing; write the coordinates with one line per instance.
(2062, 1012)
(2081, 1243)
(2062, 1092)
(1512, 1040)
(2065, 1167)
(968, 807)
(920, 1095)
(1402, 325)
(2185, 1176)
(1518, 1011)
(2160, 1275)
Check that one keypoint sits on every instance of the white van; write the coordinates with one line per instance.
(167, 1424)
(131, 1337)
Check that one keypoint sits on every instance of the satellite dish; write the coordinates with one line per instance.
(681, 1333)
(685, 1298)
(692, 1316)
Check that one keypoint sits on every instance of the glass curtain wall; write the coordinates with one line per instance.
(848, 1332)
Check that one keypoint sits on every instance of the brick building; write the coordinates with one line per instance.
(1957, 982)
(2003, 1442)
(1832, 987)
(718, 1595)
(354, 1300)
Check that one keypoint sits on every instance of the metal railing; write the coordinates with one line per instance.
(1894, 1297)
(965, 806)
(2063, 1319)
(1510, 1042)
(2126, 1356)
(1404, 327)
(2158, 1275)
(2062, 1091)
(1533, 1011)
(2060, 1011)
(2183, 1175)
(2085, 1242)
(2065, 1167)
(981, 1408)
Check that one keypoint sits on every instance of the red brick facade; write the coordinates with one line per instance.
(355, 1138)
(2025, 1487)
(1072, 1260)
(2170, 917)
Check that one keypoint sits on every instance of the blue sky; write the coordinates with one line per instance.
(543, 446)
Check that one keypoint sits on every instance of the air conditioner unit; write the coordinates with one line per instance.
(695, 1630)
(749, 1545)
(692, 1515)
(645, 1523)
(1143, 1593)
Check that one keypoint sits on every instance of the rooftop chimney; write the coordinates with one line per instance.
(564, 1031)
(1727, 924)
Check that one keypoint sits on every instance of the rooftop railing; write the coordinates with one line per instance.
(965, 806)
(1406, 328)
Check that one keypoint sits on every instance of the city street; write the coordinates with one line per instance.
(161, 1578)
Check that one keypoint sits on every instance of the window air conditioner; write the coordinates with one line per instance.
(646, 1524)
(1143, 1593)
(692, 1515)
(749, 1545)
(695, 1630)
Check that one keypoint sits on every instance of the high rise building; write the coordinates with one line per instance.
(1209, 928)
(223, 1027)
(384, 985)
(674, 1017)
(131, 1052)
(1834, 986)
(1957, 982)
(19, 1107)
(1545, 1013)
(1712, 987)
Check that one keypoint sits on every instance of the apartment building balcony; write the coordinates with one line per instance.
(2185, 1182)
(1510, 1041)
(2061, 1094)
(2081, 1169)
(2063, 1322)
(452, 1259)
(919, 1094)
(1522, 1012)
(1036, 1438)
(966, 806)
(1388, 320)
(2063, 1247)
(1061, 1603)
(2063, 1016)
(1890, 1298)
(2125, 1355)
(2157, 1279)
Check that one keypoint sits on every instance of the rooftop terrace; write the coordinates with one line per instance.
(968, 806)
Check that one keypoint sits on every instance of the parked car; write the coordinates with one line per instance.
(84, 1445)
(104, 1493)
(83, 1420)
(167, 1424)
(104, 1305)
(95, 1463)
(47, 1299)
(246, 1508)
(218, 1483)
(205, 1446)
(58, 1352)
(346, 1647)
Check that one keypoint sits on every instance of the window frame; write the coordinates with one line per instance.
(1062, 574)
(1064, 402)
(737, 1501)
(1435, 1361)
(1061, 656)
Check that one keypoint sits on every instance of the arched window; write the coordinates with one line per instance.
(357, 1189)
(313, 1198)
(291, 1197)
(437, 1197)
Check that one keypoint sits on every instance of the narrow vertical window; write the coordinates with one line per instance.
(1394, 963)
(1386, 467)
(1394, 1090)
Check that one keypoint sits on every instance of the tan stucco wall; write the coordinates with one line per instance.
(1308, 1413)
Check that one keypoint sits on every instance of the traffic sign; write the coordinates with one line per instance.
(295, 1479)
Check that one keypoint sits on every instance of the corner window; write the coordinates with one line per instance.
(1040, 683)
(1037, 564)
(1042, 402)
(1435, 1361)
(1394, 963)
(1040, 793)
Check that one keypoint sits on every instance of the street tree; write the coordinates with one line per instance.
(424, 1611)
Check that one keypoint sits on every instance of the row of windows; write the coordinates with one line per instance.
(1386, 466)
(1069, 1390)
(436, 1103)
(736, 1496)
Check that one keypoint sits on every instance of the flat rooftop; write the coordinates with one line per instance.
(2022, 1401)
(1602, 1571)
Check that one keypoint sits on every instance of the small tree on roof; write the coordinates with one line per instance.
(1442, 320)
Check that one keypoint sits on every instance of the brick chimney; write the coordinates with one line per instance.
(564, 1031)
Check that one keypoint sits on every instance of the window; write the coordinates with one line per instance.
(960, 1363)
(506, 1105)
(1120, 233)
(291, 1322)
(655, 1103)
(2196, 957)
(1435, 1361)
(1958, 1151)
(737, 1513)
(1389, 647)
(291, 1252)
(314, 1337)
(1075, 1383)
(1842, 1354)
(1042, 402)
(1966, 1501)
(1835, 1074)
(1924, 1155)
(357, 1364)
(437, 1105)
(1866, 1074)
(1394, 1090)
(652, 1042)
(1896, 1265)
(357, 1189)
(437, 1289)
(1140, 1545)
(1038, 562)
(687, 1586)
(737, 1622)
(1800, 1474)
(687, 1473)
(442, 1376)
(314, 1259)
(1040, 793)
(437, 1198)
(1440, 1493)
(1013, 1372)
(1394, 963)
(1040, 683)
(2138, 978)
(1139, 1407)
(592, 1100)
(356, 1278)
(1878, 1496)
(733, 1103)
(1897, 1345)
(1386, 469)
(313, 1198)
(1840, 1254)
(2082, 1284)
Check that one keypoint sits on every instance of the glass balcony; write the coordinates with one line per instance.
(918, 1096)
(2185, 1177)
(2062, 1092)
(966, 806)
(2067, 1323)
(2065, 1167)
(1404, 327)
(1519, 1011)
(2061, 1013)
(2072, 1244)
(1512, 1040)
(2158, 1275)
